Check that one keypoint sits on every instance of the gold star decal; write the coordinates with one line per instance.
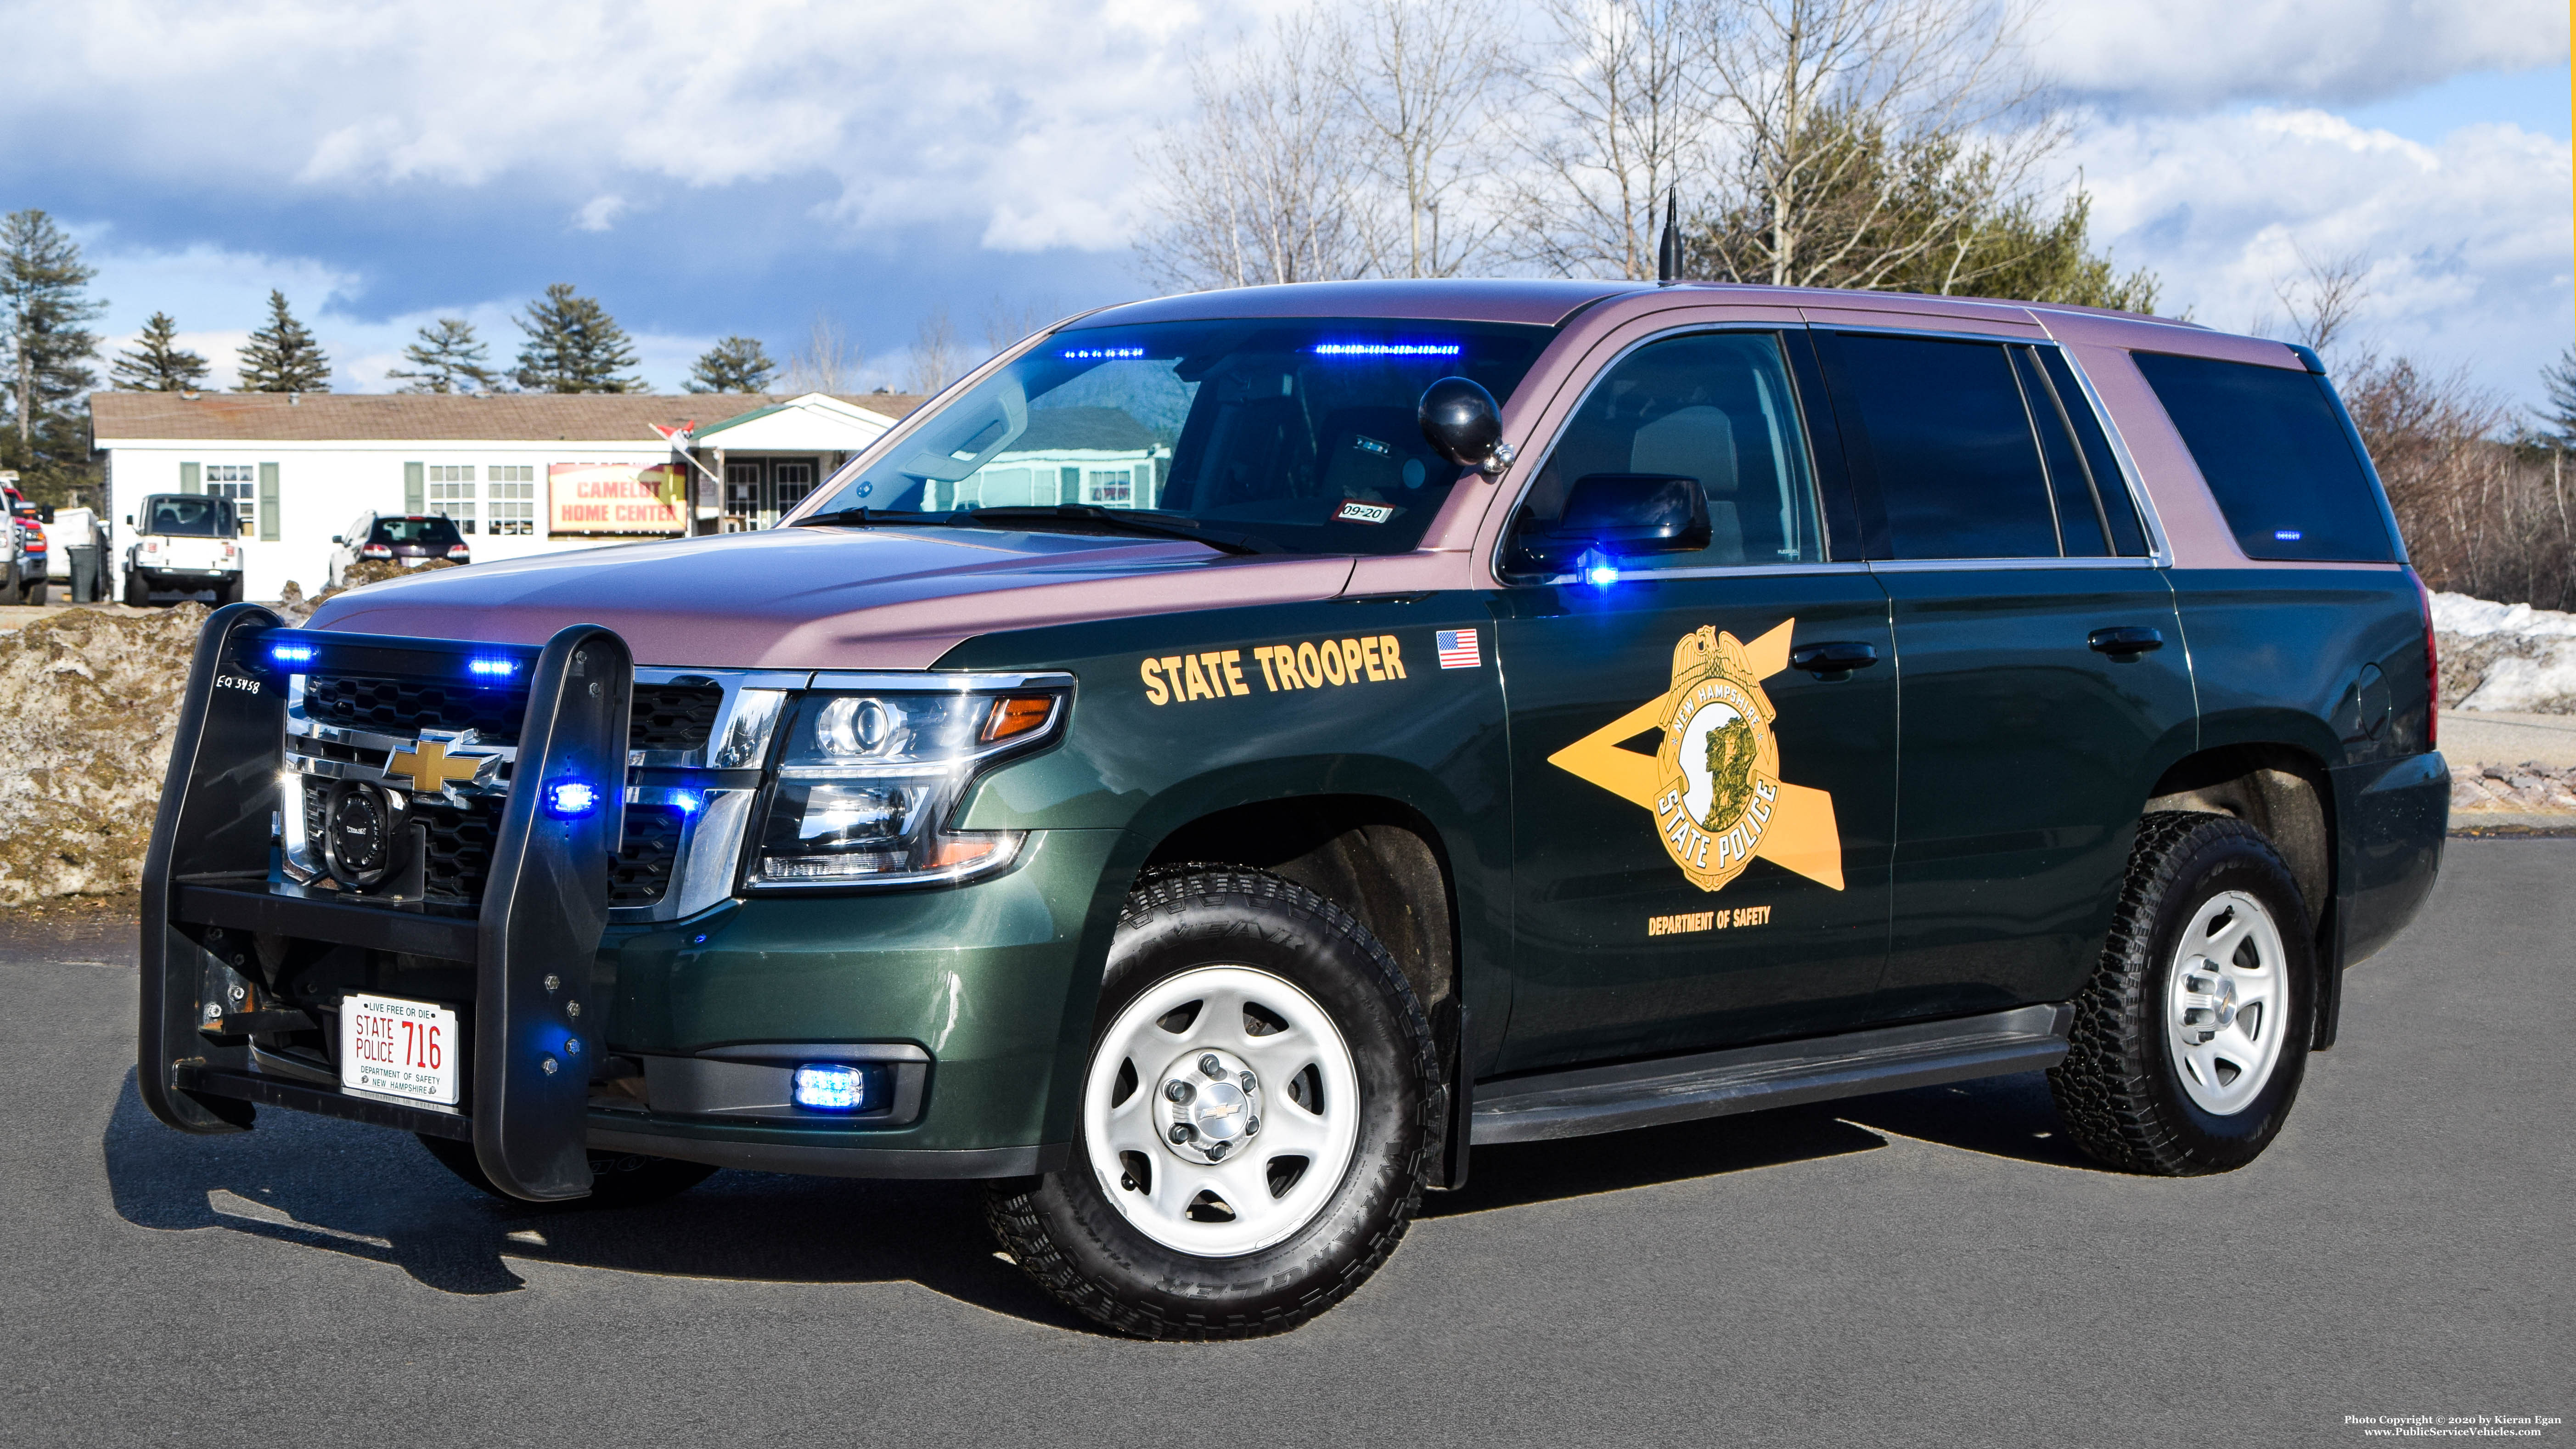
(1714, 785)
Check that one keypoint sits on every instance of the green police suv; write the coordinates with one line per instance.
(1232, 755)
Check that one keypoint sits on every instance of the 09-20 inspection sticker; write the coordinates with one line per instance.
(1364, 659)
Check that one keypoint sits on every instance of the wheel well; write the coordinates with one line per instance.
(2277, 790)
(1372, 857)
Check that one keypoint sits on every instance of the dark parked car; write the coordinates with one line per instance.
(409, 539)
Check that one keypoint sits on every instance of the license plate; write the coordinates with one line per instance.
(398, 1048)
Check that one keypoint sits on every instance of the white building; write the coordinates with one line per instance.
(521, 473)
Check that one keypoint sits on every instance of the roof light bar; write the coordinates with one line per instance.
(1386, 349)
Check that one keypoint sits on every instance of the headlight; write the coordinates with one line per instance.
(867, 783)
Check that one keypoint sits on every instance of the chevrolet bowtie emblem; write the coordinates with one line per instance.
(432, 769)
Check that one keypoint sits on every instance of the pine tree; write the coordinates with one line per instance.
(574, 346)
(2558, 419)
(158, 363)
(736, 364)
(447, 358)
(44, 300)
(282, 356)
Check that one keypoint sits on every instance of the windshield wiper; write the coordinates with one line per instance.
(862, 517)
(1116, 520)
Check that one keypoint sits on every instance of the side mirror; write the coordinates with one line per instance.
(129, 520)
(1462, 424)
(335, 538)
(1623, 514)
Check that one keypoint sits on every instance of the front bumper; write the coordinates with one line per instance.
(987, 980)
(969, 1001)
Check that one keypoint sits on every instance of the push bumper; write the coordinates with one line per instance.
(212, 899)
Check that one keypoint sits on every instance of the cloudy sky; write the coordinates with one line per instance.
(748, 166)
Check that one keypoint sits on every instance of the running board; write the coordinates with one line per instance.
(1782, 1074)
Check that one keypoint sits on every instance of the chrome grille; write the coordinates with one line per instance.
(681, 838)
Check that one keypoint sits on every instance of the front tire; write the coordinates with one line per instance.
(1255, 1118)
(2191, 1038)
(40, 592)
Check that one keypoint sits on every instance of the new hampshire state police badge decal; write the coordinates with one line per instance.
(1714, 782)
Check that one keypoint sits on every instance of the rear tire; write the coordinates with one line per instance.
(617, 1179)
(1308, 1021)
(228, 593)
(2191, 1038)
(137, 596)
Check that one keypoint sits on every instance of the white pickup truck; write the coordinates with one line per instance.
(184, 543)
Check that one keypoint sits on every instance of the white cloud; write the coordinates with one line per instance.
(2468, 241)
(2185, 55)
(600, 212)
(915, 109)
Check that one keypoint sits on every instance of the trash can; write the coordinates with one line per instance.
(85, 585)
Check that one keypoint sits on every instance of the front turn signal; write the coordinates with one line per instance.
(1016, 715)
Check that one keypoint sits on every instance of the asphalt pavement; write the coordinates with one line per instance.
(1929, 1267)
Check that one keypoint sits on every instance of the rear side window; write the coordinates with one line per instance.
(1946, 434)
(2280, 461)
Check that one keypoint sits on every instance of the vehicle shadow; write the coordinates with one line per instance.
(1532, 1172)
(1997, 1116)
(2011, 1117)
(378, 1196)
(369, 1193)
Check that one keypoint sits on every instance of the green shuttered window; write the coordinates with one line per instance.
(189, 479)
(268, 503)
(415, 489)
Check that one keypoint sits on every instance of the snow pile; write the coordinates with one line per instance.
(2505, 656)
(88, 702)
(2513, 790)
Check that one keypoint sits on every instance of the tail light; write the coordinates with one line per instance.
(2432, 667)
(377, 550)
(459, 552)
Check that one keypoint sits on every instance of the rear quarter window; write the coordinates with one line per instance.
(2280, 461)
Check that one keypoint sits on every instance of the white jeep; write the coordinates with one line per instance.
(184, 543)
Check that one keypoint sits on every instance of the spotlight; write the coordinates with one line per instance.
(830, 1087)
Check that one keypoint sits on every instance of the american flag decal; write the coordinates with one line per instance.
(1457, 649)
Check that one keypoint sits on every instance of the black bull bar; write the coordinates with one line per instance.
(530, 941)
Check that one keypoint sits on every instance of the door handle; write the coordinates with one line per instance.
(1834, 660)
(2126, 644)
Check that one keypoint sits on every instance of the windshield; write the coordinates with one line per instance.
(190, 516)
(415, 533)
(1298, 432)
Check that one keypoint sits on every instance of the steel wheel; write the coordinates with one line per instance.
(1221, 1111)
(2224, 1002)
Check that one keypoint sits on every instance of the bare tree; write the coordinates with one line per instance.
(1869, 138)
(1417, 77)
(1608, 119)
(2323, 300)
(1006, 323)
(824, 362)
(936, 357)
(1254, 190)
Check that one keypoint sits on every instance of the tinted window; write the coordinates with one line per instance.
(2081, 531)
(190, 514)
(1302, 432)
(422, 532)
(1943, 429)
(2119, 510)
(1716, 407)
(2279, 460)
